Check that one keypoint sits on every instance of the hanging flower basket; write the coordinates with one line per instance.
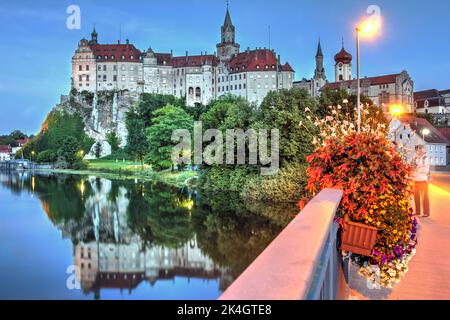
(358, 238)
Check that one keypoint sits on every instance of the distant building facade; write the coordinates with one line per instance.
(200, 78)
(432, 101)
(5, 153)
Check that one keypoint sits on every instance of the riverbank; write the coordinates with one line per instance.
(112, 169)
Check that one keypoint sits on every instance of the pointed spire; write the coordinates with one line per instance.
(319, 50)
(342, 42)
(228, 17)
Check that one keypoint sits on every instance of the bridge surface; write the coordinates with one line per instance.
(428, 276)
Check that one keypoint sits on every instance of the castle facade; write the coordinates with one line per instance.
(199, 79)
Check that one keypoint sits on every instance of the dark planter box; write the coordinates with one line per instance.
(358, 238)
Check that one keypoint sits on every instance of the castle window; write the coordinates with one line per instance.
(114, 78)
(104, 67)
(104, 77)
(87, 78)
(122, 57)
(113, 57)
(99, 68)
(80, 68)
(106, 57)
(341, 77)
(197, 92)
(87, 68)
(131, 57)
(244, 85)
(80, 78)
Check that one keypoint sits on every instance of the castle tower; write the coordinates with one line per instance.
(319, 79)
(228, 46)
(94, 37)
(320, 70)
(343, 66)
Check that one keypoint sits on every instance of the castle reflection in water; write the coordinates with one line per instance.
(118, 259)
(126, 232)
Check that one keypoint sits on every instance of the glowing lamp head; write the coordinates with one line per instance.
(426, 131)
(369, 27)
(396, 109)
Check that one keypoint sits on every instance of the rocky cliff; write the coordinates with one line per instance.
(102, 112)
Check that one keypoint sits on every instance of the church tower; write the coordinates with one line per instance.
(319, 79)
(228, 46)
(343, 66)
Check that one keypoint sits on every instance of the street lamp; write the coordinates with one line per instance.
(32, 155)
(368, 28)
(396, 110)
(425, 132)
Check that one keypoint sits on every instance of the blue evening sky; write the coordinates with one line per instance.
(36, 47)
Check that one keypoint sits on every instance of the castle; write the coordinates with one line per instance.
(199, 79)
(383, 90)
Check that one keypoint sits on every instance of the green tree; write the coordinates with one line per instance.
(137, 145)
(285, 110)
(46, 156)
(98, 150)
(165, 121)
(113, 140)
(151, 102)
(69, 150)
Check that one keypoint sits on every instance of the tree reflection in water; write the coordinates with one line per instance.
(128, 231)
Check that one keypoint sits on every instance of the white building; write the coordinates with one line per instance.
(408, 131)
(5, 153)
(199, 79)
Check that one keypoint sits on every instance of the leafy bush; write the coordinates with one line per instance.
(288, 185)
(46, 156)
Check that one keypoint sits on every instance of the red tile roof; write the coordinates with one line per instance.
(256, 60)
(194, 61)
(433, 97)
(373, 81)
(426, 94)
(445, 132)
(5, 149)
(22, 141)
(418, 124)
(115, 52)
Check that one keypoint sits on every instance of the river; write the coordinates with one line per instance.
(86, 237)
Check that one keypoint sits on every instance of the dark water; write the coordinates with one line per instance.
(85, 237)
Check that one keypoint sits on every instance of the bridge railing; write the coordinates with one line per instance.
(303, 262)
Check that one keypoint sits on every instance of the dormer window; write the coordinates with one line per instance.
(257, 66)
(273, 66)
(266, 67)
(113, 57)
(123, 57)
(243, 68)
(131, 57)
(106, 57)
(99, 57)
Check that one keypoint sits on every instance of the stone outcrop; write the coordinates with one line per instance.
(102, 113)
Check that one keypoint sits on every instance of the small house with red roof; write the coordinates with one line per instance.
(409, 131)
(5, 153)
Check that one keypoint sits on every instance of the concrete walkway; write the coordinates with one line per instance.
(429, 270)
